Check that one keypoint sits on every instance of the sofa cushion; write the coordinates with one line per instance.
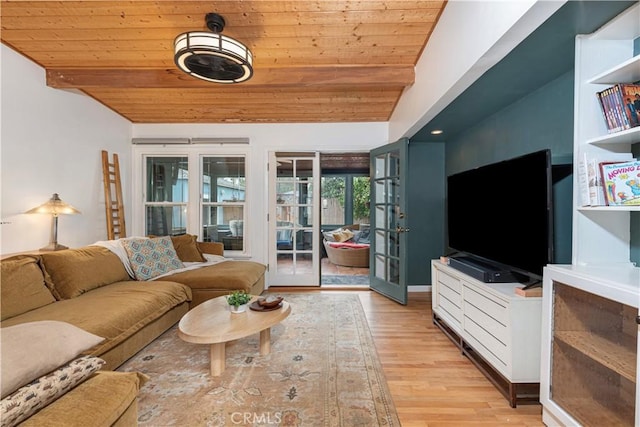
(22, 286)
(213, 248)
(30, 398)
(99, 401)
(115, 312)
(187, 248)
(76, 271)
(363, 236)
(150, 258)
(348, 245)
(30, 350)
(338, 235)
(232, 275)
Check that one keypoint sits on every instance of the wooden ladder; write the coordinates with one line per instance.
(113, 197)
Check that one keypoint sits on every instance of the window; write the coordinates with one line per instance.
(166, 196)
(223, 198)
(197, 190)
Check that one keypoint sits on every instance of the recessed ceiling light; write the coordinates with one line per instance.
(436, 132)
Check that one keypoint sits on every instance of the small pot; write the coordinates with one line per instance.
(239, 308)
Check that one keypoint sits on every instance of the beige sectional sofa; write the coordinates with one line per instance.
(91, 289)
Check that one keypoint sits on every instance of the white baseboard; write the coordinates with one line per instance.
(419, 288)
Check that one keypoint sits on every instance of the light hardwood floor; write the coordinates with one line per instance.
(432, 384)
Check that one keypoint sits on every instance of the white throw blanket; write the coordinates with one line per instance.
(116, 247)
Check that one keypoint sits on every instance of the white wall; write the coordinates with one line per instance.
(50, 143)
(329, 137)
(470, 38)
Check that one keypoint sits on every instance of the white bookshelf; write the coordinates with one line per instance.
(601, 269)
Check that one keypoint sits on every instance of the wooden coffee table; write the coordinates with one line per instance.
(212, 323)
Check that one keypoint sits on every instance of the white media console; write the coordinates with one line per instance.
(498, 330)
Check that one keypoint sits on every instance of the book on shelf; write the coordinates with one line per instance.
(621, 183)
(590, 177)
(620, 106)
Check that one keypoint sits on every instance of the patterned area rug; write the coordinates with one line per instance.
(323, 370)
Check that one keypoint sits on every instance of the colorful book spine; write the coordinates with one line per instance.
(591, 185)
(620, 106)
(622, 183)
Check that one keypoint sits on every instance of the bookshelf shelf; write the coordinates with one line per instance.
(624, 137)
(609, 208)
(607, 351)
(627, 71)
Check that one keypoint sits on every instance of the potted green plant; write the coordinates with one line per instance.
(238, 301)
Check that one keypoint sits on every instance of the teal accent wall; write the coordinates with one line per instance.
(425, 192)
(542, 119)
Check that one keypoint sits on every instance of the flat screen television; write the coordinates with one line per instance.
(502, 214)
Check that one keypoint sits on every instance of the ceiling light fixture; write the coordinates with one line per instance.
(436, 132)
(212, 56)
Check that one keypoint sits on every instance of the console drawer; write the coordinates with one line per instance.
(485, 343)
(450, 282)
(495, 309)
(451, 294)
(489, 325)
(454, 311)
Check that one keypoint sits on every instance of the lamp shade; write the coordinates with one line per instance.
(54, 206)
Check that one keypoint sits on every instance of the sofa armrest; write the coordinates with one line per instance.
(212, 248)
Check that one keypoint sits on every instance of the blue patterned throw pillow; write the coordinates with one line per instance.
(150, 258)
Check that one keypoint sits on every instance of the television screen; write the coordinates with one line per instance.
(502, 212)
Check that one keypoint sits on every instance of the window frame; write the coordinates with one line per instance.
(195, 155)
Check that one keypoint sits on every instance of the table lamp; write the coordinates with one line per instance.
(54, 206)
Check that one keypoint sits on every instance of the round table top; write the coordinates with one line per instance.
(212, 321)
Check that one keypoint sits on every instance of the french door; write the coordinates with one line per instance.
(388, 250)
(294, 191)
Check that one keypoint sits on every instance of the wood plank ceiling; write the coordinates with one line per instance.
(314, 60)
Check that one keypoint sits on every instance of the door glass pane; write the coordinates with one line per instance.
(381, 241)
(306, 215)
(285, 168)
(380, 217)
(393, 271)
(394, 164)
(380, 267)
(304, 168)
(393, 244)
(286, 264)
(379, 164)
(394, 191)
(381, 192)
(285, 192)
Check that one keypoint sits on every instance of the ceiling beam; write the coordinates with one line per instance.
(348, 75)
